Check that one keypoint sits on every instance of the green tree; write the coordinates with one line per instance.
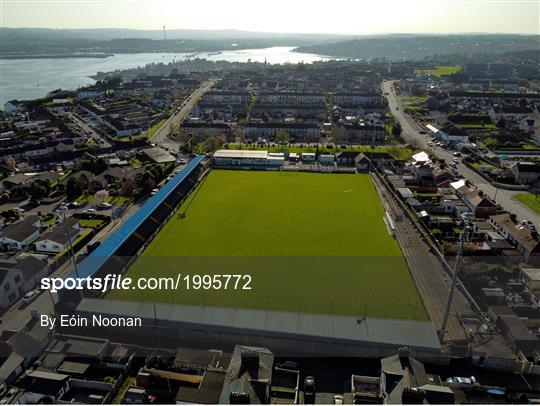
(283, 137)
(397, 130)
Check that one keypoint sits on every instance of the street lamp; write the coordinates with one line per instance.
(467, 218)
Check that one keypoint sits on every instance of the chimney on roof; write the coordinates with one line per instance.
(534, 234)
(480, 193)
(513, 217)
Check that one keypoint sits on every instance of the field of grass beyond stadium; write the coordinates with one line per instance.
(312, 242)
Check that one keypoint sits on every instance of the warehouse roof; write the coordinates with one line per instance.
(324, 327)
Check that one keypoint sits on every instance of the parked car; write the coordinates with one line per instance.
(91, 247)
(61, 207)
(74, 204)
(457, 154)
(104, 206)
(529, 223)
(91, 212)
(30, 296)
(153, 192)
(430, 144)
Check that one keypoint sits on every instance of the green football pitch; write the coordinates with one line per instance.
(311, 242)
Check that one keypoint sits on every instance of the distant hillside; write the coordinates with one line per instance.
(414, 47)
(43, 42)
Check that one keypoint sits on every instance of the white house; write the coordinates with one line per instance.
(12, 106)
(451, 134)
(526, 172)
(510, 112)
(19, 276)
(58, 239)
(16, 236)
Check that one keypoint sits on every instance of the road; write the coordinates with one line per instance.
(411, 133)
(162, 133)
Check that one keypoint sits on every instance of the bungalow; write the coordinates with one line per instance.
(16, 236)
(525, 240)
(526, 172)
(60, 237)
(109, 177)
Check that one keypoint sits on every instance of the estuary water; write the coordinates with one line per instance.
(25, 79)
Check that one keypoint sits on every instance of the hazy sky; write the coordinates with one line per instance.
(307, 16)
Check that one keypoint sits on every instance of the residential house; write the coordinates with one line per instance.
(13, 106)
(358, 132)
(20, 350)
(60, 237)
(249, 376)
(292, 98)
(43, 387)
(17, 235)
(526, 172)
(227, 97)
(452, 134)
(18, 276)
(298, 131)
(510, 113)
(477, 202)
(530, 278)
(111, 176)
(204, 130)
(525, 240)
(437, 101)
(355, 98)
(527, 125)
